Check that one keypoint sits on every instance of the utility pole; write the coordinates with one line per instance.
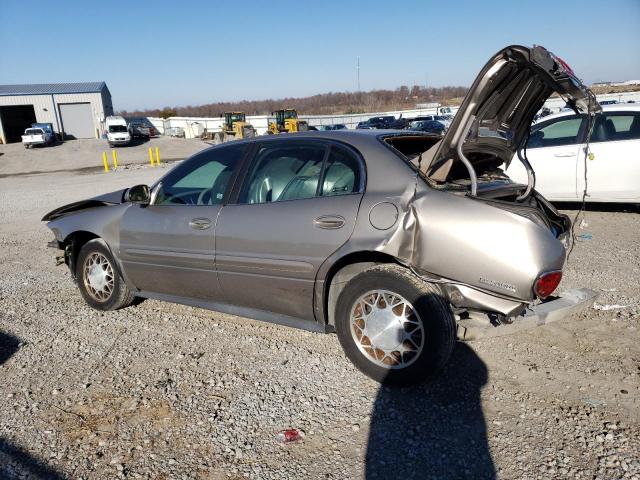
(358, 69)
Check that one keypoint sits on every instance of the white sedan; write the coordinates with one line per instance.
(556, 151)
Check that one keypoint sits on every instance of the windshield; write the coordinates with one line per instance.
(117, 128)
(290, 114)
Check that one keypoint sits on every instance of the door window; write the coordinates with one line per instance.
(560, 132)
(202, 180)
(342, 173)
(284, 171)
(612, 127)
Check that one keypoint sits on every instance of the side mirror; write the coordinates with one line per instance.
(139, 194)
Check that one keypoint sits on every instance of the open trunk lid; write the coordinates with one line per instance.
(498, 110)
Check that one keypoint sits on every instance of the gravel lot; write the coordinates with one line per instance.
(167, 391)
(86, 154)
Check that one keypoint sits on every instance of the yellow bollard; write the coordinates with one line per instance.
(157, 156)
(151, 156)
(104, 161)
(115, 159)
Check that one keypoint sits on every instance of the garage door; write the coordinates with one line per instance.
(77, 120)
(15, 119)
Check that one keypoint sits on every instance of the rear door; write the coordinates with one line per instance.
(297, 204)
(614, 173)
(168, 247)
(553, 150)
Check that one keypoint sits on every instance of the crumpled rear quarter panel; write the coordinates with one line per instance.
(450, 235)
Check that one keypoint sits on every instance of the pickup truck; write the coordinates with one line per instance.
(36, 136)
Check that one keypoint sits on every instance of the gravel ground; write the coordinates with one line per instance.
(168, 391)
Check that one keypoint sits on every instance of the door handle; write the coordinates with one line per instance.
(329, 221)
(565, 154)
(200, 223)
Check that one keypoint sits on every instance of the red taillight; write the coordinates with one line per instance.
(565, 66)
(547, 283)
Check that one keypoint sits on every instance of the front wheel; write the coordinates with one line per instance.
(396, 328)
(99, 282)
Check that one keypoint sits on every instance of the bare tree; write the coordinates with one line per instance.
(403, 97)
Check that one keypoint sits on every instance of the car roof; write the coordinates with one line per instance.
(336, 134)
(357, 139)
(617, 107)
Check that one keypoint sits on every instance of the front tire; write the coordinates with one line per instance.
(99, 281)
(394, 327)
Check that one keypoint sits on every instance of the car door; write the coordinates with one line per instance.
(553, 149)
(614, 173)
(167, 247)
(297, 204)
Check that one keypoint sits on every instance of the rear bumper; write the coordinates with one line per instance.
(557, 308)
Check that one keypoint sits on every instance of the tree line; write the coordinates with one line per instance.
(331, 103)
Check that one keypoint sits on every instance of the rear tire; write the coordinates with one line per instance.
(99, 281)
(394, 327)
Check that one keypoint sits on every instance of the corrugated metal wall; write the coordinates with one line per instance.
(48, 112)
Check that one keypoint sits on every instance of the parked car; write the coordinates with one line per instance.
(37, 137)
(431, 126)
(47, 127)
(399, 124)
(443, 119)
(117, 131)
(397, 241)
(377, 123)
(141, 128)
(556, 151)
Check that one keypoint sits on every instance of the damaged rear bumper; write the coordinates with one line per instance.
(566, 304)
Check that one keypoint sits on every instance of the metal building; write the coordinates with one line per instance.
(76, 110)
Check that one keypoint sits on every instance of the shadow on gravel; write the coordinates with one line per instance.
(435, 430)
(8, 346)
(16, 463)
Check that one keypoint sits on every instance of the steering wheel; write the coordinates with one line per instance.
(203, 194)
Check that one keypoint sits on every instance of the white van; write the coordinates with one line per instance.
(117, 131)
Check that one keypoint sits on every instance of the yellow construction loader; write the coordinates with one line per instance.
(235, 127)
(286, 122)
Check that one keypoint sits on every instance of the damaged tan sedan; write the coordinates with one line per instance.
(397, 241)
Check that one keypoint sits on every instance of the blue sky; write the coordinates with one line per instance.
(167, 53)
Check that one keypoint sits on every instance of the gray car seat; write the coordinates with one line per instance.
(271, 179)
(338, 180)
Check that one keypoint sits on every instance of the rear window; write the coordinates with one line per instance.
(410, 146)
(33, 131)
